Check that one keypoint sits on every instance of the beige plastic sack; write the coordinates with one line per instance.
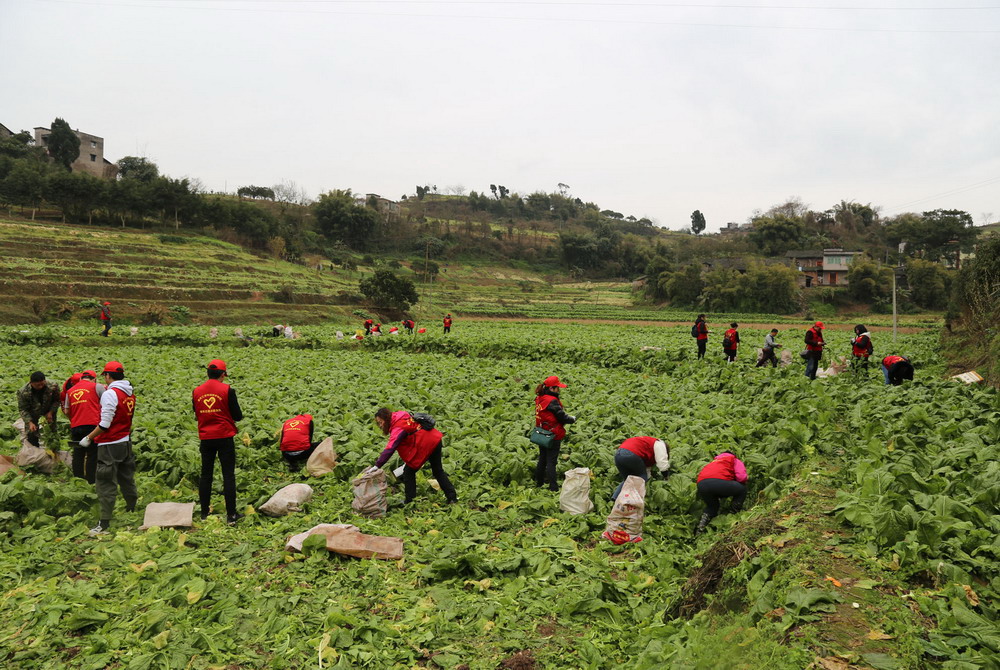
(625, 520)
(66, 457)
(323, 459)
(369, 494)
(7, 464)
(168, 515)
(785, 359)
(213, 333)
(294, 543)
(575, 495)
(287, 500)
(835, 368)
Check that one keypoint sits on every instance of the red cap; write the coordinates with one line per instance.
(217, 364)
(554, 381)
(89, 373)
(114, 366)
(422, 330)
(819, 324)
(106, 302)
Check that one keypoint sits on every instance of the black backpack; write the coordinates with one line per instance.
(694, 330)
(727, 343)
(426, 421)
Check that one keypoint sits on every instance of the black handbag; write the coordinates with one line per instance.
(543, 438)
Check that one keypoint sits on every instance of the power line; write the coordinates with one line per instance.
(945, 194)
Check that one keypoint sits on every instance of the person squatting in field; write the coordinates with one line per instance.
(637, 456)
(113, 437)
(861, 348)
(895, 369)
(217, 410)
(409, 324)
(37, 399)
(731, 342)
(700, 332)
(550, 415)
(767, 352)
(82, 404)
(724, 477)
(814, 349)
(296, 442)
(416, 445)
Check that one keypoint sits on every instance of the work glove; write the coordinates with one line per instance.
(85, 441)
(371, 470)
(665, 474)
(572, 419)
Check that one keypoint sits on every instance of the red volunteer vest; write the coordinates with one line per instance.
(860, 346)
(702, 331)
(731, 334)
(889, 361)
(546, 419)
(84, 405)
(447, 322)
(720, 468)
(211, 408)
(121, 424)
(817, 343)
(295, 433)
(641, 447)
(417, 446)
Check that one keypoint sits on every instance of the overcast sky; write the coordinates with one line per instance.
(647, 108)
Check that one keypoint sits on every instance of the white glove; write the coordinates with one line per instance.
(371, 470)
(85, 441)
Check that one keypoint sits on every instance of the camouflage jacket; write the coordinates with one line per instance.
(34, 406)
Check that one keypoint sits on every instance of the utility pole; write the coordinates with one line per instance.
(894, 306)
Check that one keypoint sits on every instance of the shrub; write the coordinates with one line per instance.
(286, 295)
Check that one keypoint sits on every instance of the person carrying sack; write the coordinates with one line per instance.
(549, 416)
(767, 352)
(37, 399)
(637, 456)
(814, 349)
(861, 348)
(417, 444)
(296, 441)
(724, 477)
(217, 410)
(83, 407)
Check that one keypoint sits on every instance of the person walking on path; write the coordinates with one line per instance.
(767, 352)
(731, 342)
(895, 369)
(416, 445)
(37, 399)
(106, 318)
(217, 411)
(113, 436)
(861, 348)
(447, 324)
(700, 331)
(814, 349)
(637, 456)
(296, 442)
(83, 407)
(550, 415)
(724, 477)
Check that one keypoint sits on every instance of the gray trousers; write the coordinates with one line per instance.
(115, 469)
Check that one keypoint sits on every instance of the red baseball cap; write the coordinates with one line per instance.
(113, 366)
(89, 373)
(217, 364)
(554, 381)
(106, 302)
(819, 324)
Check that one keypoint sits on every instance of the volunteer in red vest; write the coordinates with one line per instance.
(416, 445)
(814, 349)
(408, 324)
(731, 342)
(83, 407)
(297, 441)
(550, 415)
(368, 326)
(896, 368)
(700, 331)
(106, 318)
(637, 456)
(377, 328)
(217, 411)
(113, 437)
(67, 385)
(447, 324)
(861, 347)
(724, 477)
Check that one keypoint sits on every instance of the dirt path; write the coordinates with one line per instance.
(846, 327)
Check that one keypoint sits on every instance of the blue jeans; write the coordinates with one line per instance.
(812, 364)
(885, 373)
(628, 463)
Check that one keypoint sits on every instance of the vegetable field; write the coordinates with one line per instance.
(869, 539)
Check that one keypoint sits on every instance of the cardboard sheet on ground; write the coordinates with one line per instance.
(287, 499)
(349, 541)
(323, 459)
(7, 464)
(970, 377)
(575, 495)
(625, 520)
(168, 515)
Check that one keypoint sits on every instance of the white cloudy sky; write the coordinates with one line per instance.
(648, 108)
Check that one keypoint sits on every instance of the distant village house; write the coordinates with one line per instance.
(91, 159)
(822, 268)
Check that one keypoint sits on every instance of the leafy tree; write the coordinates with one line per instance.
(255, 192)
(24, 185)
(774, 235)
(20, 145)
(385, 289)
(76, 194)
(339, 218)
(929, 283)
(683, 288)
(867, 281)
(62, 143)
(935, 234)
(697, 222)
(138, 168)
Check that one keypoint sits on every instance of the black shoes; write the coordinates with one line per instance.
(233, 518)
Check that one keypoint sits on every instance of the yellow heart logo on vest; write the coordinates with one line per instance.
(209, 402)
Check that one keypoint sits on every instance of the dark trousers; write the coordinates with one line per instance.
(628, 463)
(768, 356)
(447, 329)
(545, 470)
(702, 344)
(713, 490)
(107, 327)
(897, 372)
(730, 355)
(84, 458)
(296, 459)
(410, 477)
(225, 448)
(115, 470)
